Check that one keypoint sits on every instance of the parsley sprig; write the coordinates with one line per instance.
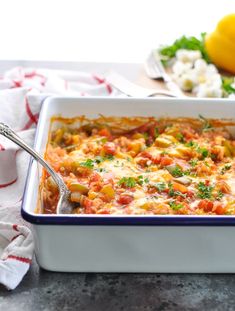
(128, 182)
(175, 206)
(160, 186)
(227, 85)
(225, 168)
(204, 191)
(89, 163)
(187, 43)
(142, 180)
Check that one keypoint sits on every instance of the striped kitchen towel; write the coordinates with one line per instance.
(22, 91)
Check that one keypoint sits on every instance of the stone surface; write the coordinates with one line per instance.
(43, 290)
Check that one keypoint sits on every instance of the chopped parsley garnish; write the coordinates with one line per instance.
(180, 137)
(141, 180)
(191, 144)
(171, 190)
(101, 170)
(220, 194)
(204, 191)
(103, 140)
(193, 162)
(99, 159)
(128, 182)
(203, 151)
(88, 163)
(109, 157)
(225, 168)
(160, 186)
(175, 206)
(177, 172)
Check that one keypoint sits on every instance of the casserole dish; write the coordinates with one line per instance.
(128, 243)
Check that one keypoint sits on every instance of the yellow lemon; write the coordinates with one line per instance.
(220, 44)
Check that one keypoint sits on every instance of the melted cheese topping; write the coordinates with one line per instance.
(158, 167)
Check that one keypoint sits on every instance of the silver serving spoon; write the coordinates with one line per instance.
(64, 206)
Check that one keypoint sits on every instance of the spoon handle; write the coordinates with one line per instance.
(6, 131)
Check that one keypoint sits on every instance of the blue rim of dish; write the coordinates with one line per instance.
(109, 220)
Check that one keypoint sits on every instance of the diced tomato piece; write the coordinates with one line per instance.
(105, 132)
(190, 194)
(142, 162)
(189, 134)
(219, 209)
(179, 187)
(103, 211)
(125, 199)
(165, 160)
(146, 154)
(88, 205)
(206, 205)
(95, 177)
(157, 159)
(109, 148)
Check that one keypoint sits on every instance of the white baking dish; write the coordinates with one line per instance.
(109, 243)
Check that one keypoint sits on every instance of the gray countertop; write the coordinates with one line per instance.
(43, 290)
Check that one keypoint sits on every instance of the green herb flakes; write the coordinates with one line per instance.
(141, 180)
(160, 186)
(225, 168)
(128, 182)
(204, 191)
(175, 206)
(88, 163)
(187, 43)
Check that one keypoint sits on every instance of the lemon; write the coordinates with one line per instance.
(220, 44)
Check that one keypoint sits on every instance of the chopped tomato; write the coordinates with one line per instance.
(125, 199)
(165, 160)
(88, 206)
(109, 148)
(146, 154)
(157, 159)
(206, 205)
(190, 194)
(95, 177)
(219, 209)
(103, 211)
(189, 133)
(105, 132)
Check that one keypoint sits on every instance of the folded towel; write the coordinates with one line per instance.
(22, 91)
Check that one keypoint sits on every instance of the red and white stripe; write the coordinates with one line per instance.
(22, 92)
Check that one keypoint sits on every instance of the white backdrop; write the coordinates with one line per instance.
(103, 30)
